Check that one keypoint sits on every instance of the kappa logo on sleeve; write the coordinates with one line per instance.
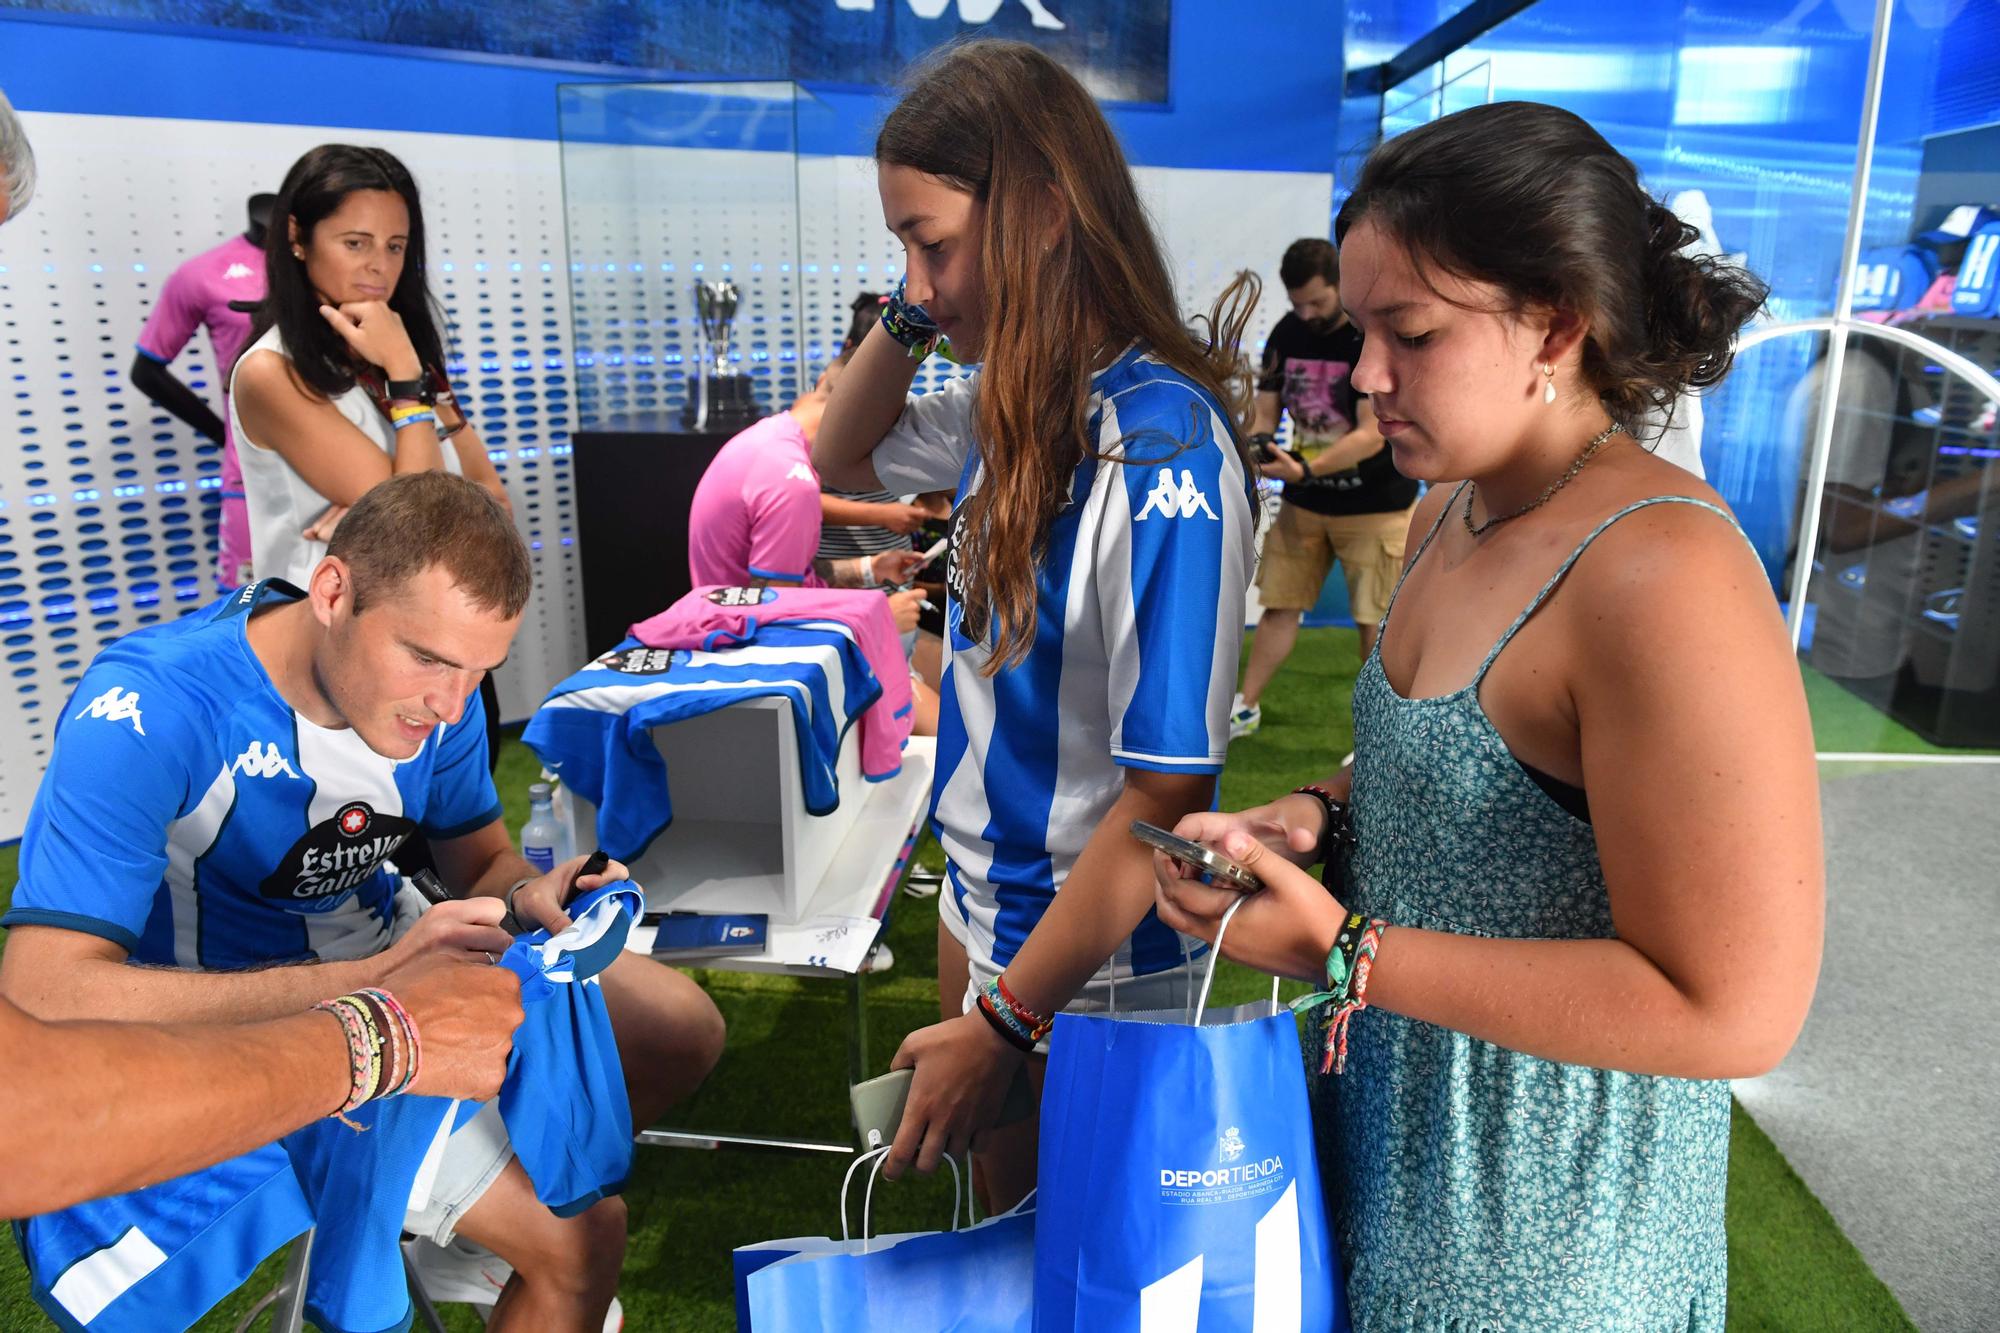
(1171, 500)
(800, 472)
(116, 704)
(263, 759)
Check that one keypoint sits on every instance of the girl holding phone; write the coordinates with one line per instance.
(1101, 546)
(1586, 887)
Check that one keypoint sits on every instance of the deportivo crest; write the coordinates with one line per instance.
(641, 661)
(335, 855)
(116, 704)
(742, 596)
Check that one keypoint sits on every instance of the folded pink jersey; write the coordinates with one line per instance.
(714, 619)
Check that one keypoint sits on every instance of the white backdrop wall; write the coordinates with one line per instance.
(107, 503)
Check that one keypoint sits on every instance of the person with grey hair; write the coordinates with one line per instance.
(97, 1108)
(17, 162)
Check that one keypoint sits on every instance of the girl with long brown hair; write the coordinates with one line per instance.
(1101, 546)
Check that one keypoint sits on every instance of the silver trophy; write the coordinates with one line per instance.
(721, 400)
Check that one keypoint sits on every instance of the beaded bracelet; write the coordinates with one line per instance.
(363, 1054)
(410, 1054)
(1336, 830)
(383, 1051)
(1038, 1026)
(1008, 1026)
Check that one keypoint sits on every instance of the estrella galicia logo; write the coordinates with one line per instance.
(334, 856)
(642, 661)
(742, 596)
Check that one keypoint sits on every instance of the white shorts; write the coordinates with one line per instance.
(472, 1158)
(1113, 990)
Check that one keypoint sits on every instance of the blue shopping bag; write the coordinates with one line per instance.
(1178, 1188)
(975, 1280)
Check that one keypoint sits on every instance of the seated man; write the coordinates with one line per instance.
(756, 515)
(225, 794)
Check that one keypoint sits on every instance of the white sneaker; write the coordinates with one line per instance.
(460, 1272)
(879, 959)
(922, 884)
(469, 1274)
(1244, 719)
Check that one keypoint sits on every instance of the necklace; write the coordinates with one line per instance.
(1597, 442)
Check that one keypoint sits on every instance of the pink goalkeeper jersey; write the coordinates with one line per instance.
(715, 619)
(755, 515)
(197, 295)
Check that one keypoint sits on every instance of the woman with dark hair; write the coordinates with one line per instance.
(342, 384)
(1584, 882)
(1101, 548)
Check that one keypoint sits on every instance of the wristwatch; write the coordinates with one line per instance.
(418, 389)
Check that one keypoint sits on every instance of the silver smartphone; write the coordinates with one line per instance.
(878, 1104)
(1222, 872)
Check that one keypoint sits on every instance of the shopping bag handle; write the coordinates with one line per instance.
(875, 1156)
(1215, 959)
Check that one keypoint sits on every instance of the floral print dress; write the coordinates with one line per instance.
(1472, 1187)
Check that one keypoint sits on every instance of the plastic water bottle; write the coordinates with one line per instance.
(539, 835)
(565, 814)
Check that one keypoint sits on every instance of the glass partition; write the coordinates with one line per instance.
(668, 187)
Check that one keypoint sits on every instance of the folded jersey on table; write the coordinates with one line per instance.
(594, 728)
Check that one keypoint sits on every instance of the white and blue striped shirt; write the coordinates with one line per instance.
(1140, 592)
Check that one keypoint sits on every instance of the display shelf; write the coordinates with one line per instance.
(1923, 545)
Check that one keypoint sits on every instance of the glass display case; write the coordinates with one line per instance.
(1849, 156)
(1899, 605)
(681, 204)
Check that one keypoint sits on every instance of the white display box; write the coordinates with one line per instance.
(741, 840)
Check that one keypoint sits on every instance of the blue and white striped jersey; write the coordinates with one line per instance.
(192, 817)
(1140, 594)
(594, 730)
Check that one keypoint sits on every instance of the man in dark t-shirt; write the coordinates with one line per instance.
(1343, 498)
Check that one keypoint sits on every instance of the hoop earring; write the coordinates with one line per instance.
(1548, 383)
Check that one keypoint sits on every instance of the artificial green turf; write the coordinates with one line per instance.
(1789, 1265)
(1844, 724)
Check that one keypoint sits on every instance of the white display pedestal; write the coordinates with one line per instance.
(741, 840)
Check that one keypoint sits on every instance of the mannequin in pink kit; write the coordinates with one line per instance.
(200, 294)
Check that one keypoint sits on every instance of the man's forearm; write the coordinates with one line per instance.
(839, 512)
(148, 1103)
(505, 870)
(1264, 417)
(1359, 443)
(98, 988)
